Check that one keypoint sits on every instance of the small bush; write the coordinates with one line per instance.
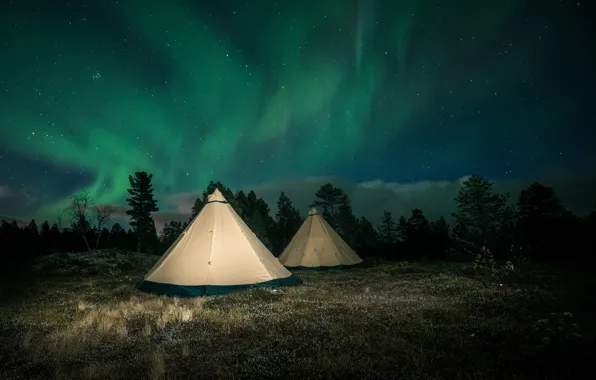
(487, 270)
(557, 330)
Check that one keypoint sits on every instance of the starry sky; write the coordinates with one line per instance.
(399, 96)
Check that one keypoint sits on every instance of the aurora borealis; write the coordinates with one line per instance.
(253, 92)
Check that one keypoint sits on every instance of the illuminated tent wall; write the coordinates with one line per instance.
(216, 254)
(316, 245)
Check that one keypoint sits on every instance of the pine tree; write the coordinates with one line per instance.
(388, 229)
(402, 228)
(367, 238)
(539, 202)
(171, 232)
(418, 235)
(152, 243)
(142, 204)
(131, 241)
(241, 204)
(346, 223)
(540, 215)
(117, 236)
(441, 240)
(56, 242)
(329, 199)
(255, 213)
(288, 222)
(45, 238)
(31, 235)
(482, 214)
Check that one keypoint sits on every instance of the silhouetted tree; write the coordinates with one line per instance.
(12, 238)
(367, 238)
(441, 240)
(152, 242)
(56, 243)
(8, 237)
(388, 229)
(590, 232)
(418, 235)
(142, 204)
(345, 221)
(78, 210)
(31, 238)
(402, 228)
(328, 199)
(288, 221)
(171, 232)
(131, 240)
(482, 214)
(101, 215)
(256, 215)
(45, 238)
(571, 240)
(388, 236)
(241, 204)
(117, 236)
(540, 214)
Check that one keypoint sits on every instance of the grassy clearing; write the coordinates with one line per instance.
(391, 320)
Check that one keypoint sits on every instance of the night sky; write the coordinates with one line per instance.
(397, 97)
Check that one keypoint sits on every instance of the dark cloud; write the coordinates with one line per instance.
(9, 218)
(576, 189)
(369, 199)
(20, 203)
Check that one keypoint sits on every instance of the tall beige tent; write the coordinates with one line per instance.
(217, 253)
(316, 245)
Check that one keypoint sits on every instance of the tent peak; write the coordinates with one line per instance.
(313, 211)
(216, 196)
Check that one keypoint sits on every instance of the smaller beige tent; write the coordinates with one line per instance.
(316, 245)
(217, 253)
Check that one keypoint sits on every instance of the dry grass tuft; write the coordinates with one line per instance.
(390, 320)
(27, 340)
(156, 365)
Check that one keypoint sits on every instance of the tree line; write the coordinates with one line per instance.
(536, 227)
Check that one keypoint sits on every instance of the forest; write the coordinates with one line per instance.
(502, 288)
(535, 226)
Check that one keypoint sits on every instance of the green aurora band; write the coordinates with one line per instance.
(273, 89)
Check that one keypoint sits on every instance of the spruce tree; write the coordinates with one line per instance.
(171, 231)
(540, 214)
(142, 204)
(367, 238)
(288, 221)
(329, 199)
(388, 229)
(418, 235)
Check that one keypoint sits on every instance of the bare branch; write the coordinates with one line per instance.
(101, 214)
(78, 210)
